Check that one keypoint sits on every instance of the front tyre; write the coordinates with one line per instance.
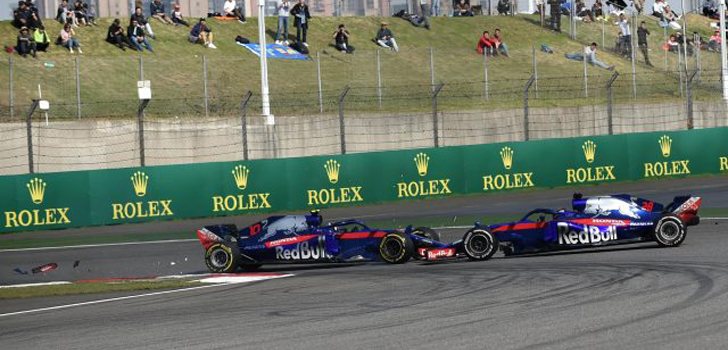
(479, 244)
(396, 248)
(223, 257)
(670, 231)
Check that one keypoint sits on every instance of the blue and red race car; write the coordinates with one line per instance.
(304, 238)
(592, 222)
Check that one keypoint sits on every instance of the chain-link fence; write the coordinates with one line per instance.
(208, 108)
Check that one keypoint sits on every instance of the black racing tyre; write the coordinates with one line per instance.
(479, 244)
(670, 231)
(427, 233)
(396, 248)
(223, 257)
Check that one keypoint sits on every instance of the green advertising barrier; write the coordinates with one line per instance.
(102, 197)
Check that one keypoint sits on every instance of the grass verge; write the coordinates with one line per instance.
(93, 288)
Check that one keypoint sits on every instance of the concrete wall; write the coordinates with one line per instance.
(93, 144)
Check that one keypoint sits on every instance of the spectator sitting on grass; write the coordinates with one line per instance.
(486, 46)
(136, 35)
(658, 8)
(671, 45)
(158, 12)
(385, 38)
(504, 7)
(598, 11)
(138, 16)
(669, 18)
(91, 13)
(23, 16)
(500, 46)
(115, 35)
(231, 9)
(68, 39)
(65, 15)
(583, 12)
(416, 20)
(710, 9)
(79, 12)
(201, 33)
(177, 17)
(25, 44)
(42, 41)
(590, 54)
(341, 39)
(462, 9)
(714, 42)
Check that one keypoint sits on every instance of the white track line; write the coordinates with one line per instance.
(40, 284)
(101, 301)
(194, 240)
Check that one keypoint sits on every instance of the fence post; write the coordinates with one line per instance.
(141, 67)
(689, 88)
(432, 68)
(318, 76)
(435, 127)
(485, 77)
(78, 89)
(535, 69)
(29, 131)
(140, 117)
(342, 133)
(633, 56)
(11, 95)
(244, 122)
(204, 85)
(379, 79)
(586, 79)
(610, 101)
(525, 106)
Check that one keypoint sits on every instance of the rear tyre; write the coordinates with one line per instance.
(396, 248)
(670, 231)
(479, 244)
(427, 233)
(223, 257)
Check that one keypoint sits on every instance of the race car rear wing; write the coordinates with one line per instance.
(686, 208)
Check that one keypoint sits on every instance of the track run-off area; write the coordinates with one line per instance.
(632, 296)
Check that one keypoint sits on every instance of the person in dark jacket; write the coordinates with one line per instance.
(555, 9)
(300, 20)
(136, 35)
(341, 39)
(115, 35)
(385, 38)
(642, 33)
(157, 10)
(25, 44)
(201, 33)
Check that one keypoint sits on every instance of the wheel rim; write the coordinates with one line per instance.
(392, 247)
(219, 258)
(669, 230)
(479, 245)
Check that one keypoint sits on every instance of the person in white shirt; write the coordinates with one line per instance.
(590, 54)
(231, 9)
(658, 8)
(625, 42)
(283, 7)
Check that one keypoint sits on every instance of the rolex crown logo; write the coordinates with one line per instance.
(332, 170)
(240, 174)
(422, 161)
(590, 150)
(506, 154)
(140, 180)
(36, 187)
(665, 144)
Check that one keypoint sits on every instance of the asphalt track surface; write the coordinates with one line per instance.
(635, 296)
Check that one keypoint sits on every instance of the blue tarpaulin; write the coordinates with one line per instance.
(276, 51)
